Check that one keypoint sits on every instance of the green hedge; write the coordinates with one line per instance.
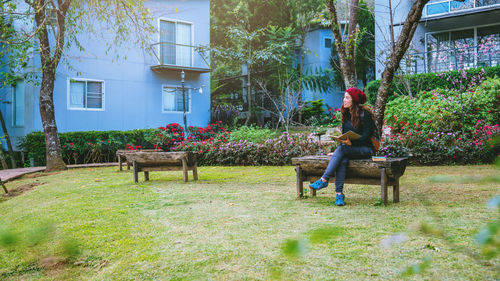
(431, 81)
(85, 147)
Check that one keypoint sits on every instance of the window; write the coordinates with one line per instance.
(463, 49)
(437, 8)
(172, 99)
(328, 43)
(175, 43)
(85, 94)
(18, 104)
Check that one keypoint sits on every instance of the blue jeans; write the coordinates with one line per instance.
(338, 163)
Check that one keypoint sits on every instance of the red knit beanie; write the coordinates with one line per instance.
(357, 95)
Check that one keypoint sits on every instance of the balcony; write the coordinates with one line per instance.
(177, 57)
(451, 59)
(450, 7)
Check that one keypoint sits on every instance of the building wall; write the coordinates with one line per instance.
(466, 19)
(133, 92)
(318, 57)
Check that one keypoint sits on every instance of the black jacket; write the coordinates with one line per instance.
(366, 129)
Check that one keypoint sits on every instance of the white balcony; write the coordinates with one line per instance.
(446, 7)
(171, 56)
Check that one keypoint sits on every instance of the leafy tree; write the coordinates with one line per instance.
(57, 24)
(346, 49)
(365, 48)
(267, 18)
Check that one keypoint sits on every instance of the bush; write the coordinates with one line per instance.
(436, 131)
(251, 134)
(165, 137)
(209, 132)
(313, 109)
(84, 147)
(276, 151)
(101, 147)
(314, 115)
(431, 81)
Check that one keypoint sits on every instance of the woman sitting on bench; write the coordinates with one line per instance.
(356, 118)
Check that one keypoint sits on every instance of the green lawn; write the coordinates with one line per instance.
(239, 223)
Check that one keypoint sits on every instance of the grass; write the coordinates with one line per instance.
(240, 223)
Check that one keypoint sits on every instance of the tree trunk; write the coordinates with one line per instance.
(50, 62)
(9, 143)
(2, 160)
(249, 99)
(53, 153)
(346, 50)
(397, 54)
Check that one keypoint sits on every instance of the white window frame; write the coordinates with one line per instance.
(425, 15)
(68, 96)
(456, 29)
(13, 106)
(189, 96)
(176, 21)
(324, 41)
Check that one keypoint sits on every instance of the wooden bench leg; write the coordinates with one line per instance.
(146, 176)
(195, 171)
(300, 183)
(128, 166)
(136, 171)
(3, 185)
(184, 169)
(313, 192)
(395, 191)
(119, 163)
(383, 185)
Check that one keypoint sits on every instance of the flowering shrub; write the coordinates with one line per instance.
(276, 151)
(446, 126)
(165, 137)
(209, 132)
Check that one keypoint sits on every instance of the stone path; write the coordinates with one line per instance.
(10, 174)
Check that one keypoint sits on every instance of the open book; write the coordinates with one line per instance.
(352, 136)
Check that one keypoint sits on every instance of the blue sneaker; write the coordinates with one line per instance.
(339, 200)
(319, 184)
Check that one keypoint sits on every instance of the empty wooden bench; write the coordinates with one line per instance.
(120, 154)
(360, 171)
(143, 161)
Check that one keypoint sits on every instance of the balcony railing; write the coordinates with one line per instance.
(451, 59)
(179, 56)
(451, 6)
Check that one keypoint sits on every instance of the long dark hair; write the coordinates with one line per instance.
(355, 112)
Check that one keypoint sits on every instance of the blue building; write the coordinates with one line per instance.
(451, 35)
(318, 46)
(94, 92)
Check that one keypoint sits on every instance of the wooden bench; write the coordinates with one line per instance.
(360, 171)
(143, 161)
(120, 154)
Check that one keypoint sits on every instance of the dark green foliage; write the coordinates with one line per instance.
(76, 145)
(431, 81)
(314, 109)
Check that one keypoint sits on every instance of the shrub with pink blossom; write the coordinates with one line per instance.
(446, 126)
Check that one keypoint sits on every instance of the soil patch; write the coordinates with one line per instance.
(21, 189)
(37, 175)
